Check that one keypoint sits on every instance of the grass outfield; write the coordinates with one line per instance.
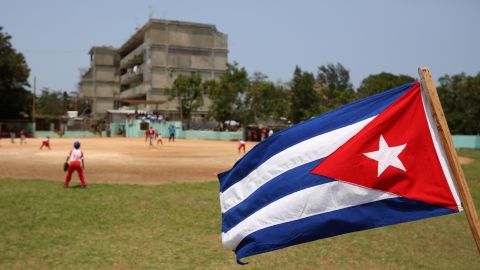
(177, 226)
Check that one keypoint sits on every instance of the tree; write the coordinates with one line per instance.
(304, 100)
(15, 100)
(265, 100)
(50, 103)
(460, 98)
(334, 76)
(227, 95)
(334, 87)
(377, 83)
(188, 90)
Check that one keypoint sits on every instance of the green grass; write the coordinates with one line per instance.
(177, 226)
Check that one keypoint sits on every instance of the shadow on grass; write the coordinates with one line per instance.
(76, 186)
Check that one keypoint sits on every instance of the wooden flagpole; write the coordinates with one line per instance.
(451, 153)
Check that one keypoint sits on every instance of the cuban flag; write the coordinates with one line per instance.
(374, 162)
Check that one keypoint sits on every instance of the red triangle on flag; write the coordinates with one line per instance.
(394, 153)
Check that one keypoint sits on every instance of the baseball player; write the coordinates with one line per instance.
(22, 136)
(241, 145)
(12, 136)
(46, 143)
(76, 163)
(150, 134)
(171, 131)
(159, 137)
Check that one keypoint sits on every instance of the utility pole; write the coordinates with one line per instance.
(34, 126)
(75, 102)
(33, 98)
(94, 105)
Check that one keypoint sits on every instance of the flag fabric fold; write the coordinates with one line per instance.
(375, 162)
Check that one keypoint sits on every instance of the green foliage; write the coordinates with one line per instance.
(304, 100)
(334, 87)
(265, 100)
(335, 77)
(377, 83)
(227, 95)
(15, 101)
(460, 98)
(51, 103)
(188, 91)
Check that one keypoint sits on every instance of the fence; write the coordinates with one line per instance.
(14, 126)
(132, 129)
(466, 141)
(213, 135)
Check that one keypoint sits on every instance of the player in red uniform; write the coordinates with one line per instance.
(150, 134)
(159, 137)
(46, 143)
(241, 145)
(264, 134)
(76, 163)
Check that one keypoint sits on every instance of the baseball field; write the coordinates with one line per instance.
(122, 160)
(157, 208)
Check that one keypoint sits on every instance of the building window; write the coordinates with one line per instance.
(182, 51)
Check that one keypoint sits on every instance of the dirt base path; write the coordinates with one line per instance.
(121, 160)
(465, 160)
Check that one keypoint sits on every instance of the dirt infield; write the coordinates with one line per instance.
(466, 160)
(121, 160)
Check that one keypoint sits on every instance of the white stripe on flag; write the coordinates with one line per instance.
(308, 202)
(299, 154)
(440, 152)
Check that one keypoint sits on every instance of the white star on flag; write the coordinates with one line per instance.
(387, 156)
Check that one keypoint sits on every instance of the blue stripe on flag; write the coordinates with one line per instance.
(344, 116)
(287, 183)
(362, 217)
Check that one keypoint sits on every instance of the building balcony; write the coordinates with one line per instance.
(134, 92)
(133, 75)
(134, 57)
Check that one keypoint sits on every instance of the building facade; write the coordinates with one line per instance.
(99, 85)
(143, 67)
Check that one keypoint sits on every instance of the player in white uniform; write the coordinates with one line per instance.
(76, 163)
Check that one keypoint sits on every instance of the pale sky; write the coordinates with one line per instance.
(270, 36)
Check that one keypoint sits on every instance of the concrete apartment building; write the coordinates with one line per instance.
(100, 83)
(137, 73)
